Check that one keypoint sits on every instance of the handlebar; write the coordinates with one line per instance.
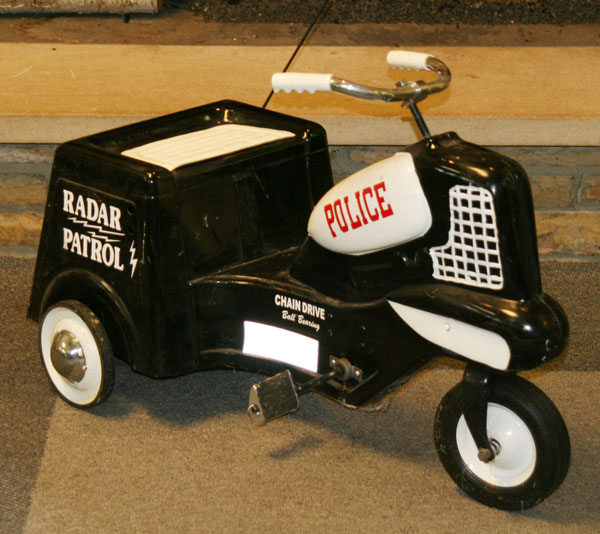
(407, 91)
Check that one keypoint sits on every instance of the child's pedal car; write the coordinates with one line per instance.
(179, 244)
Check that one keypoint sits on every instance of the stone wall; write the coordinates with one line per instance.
(565, 183)
(24, 174)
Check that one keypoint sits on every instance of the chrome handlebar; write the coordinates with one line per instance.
(405, 91)
(409, 92)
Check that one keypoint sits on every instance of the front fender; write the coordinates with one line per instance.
(536, 330)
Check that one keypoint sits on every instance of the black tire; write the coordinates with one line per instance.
(527, 468)
(96, 377)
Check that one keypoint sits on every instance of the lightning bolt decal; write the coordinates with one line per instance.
(132, 259)
(100, 229)
(104, 238)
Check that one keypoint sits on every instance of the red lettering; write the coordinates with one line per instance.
(371, 203)
(330, 217)
(339, 215)
(357, 196)
(385, 211)
(368, 191)
(355, 223)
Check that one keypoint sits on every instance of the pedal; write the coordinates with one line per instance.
(272, 398)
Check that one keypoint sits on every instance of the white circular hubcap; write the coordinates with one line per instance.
(517, 454)
(84, 391)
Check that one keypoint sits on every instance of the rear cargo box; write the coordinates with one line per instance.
(146, 208)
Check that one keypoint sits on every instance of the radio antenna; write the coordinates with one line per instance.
(301, 43)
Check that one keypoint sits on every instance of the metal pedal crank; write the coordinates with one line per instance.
(274, 397)
(279, 395)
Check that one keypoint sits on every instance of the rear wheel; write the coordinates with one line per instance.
(529, 438)
(76, 353)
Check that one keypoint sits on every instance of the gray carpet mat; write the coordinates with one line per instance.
(181, 455)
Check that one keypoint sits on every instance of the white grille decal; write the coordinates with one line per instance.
(472, 254)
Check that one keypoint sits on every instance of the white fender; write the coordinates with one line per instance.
(470, 341)
(378, 207)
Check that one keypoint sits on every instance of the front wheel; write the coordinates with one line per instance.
(529, 438)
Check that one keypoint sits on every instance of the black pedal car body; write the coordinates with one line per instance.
(214, 238)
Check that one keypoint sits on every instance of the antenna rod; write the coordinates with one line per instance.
(301, 43)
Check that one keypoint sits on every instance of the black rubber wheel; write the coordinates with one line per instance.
(528, 434)
(76, 353)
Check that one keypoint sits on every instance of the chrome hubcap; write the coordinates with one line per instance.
(67, 356)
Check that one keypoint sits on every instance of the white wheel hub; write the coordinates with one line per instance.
(56, 322)
(516, 456)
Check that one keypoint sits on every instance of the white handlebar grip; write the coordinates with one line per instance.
(401, 59)
(300, 81)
